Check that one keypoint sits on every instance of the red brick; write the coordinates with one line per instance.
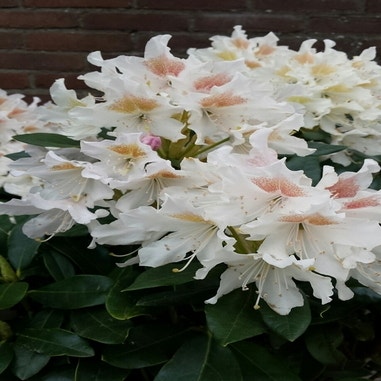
(345, 24)
(77, 3)
(45, 80)
(355, 45)
(11, 40)
(78, 41)
(179, 43)
(294, 42)
(217, 5)
(136, 21)
(297, 6)
(14, 80)
(43, 61)
(42, 94)
(9, 3)
(224, 23)
(373, 6)
(37, 19)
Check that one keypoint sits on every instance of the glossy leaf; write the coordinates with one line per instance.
(75, 292)
(121, 304)
(201, 359)
(21, 249)
(145, 346)
(309, 164)
(289, 326)
(17, 155)
(6, 356)
(257, 363)
(59, 266)
(89, 261)
(196, 291)
(27, 363)
(98, 325)
(63, 373)
(12, 293)
(54, 342)
(323, 344)
(233, 318)
(46, 319)
(6, 225)
(325, 149)
(5, 330)
(97, 371)
(366, 295)
(164, 276)
(43, 139)
(315, 134)
(7, 273)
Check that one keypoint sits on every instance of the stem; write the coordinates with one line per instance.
(243, 247)
(189, 145)
(205, 149)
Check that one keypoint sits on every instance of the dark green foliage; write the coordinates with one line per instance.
(109, 323)
(68, 313)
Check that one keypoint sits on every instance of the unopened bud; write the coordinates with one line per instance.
(153, 141)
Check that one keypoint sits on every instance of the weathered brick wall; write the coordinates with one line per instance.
(41, 40)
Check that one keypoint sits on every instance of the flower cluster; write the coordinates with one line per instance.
(16, 117)
(188, 159)
(341, 95)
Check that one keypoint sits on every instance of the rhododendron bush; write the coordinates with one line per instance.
(214, 217)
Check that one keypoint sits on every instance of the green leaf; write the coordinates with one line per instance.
(21, 249)
(54, 342)
(89, 261)
(145, 346)
(233, 318)
(323, 314)
(27, 363)
(322, 344)
(97, 371)
(5, 330)
(258, 364)
(289, 326)
(6, 225)
(12, 293)
(315, 134)
(75, 292)
(64, 373)
(325, 149)
(98, 325)
(193, 292)
(46, 319)
(366, 295)
(75, 231)
(164, 276)
(6, 356)
(309, 164)
(17, 155)
(122, 305)
(7, 273)
(59, 266)
(42, 139)
(201, 359)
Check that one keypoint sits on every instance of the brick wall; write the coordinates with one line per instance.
(41, 40)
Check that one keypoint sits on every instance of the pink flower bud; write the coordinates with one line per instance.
(153, 141)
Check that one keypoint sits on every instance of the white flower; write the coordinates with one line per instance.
(275, 284)
(173, 233)
(120, 161)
